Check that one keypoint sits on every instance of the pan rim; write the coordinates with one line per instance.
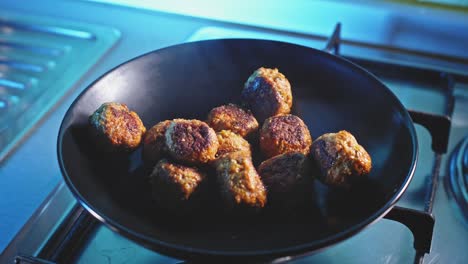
(186, 251)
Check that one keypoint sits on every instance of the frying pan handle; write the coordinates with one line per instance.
(333, 43)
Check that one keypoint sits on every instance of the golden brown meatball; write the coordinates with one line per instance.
(283, 134)
(191, 141)
(117, 127)
(286, 178)
(340, 158)
(154, 142)
(240, 185)
(267, 93)
(232, 117)
(175, 186)
(231, 142)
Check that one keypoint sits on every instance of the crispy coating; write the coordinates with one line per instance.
(286, 179)
(340, 158)
(191, 141)
(231, 142)
(154, 142)
(282, 134)
(117, 126)
(174, 186)
(267, 93)
(232, 117)
(240, 184)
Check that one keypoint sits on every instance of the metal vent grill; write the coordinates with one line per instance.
(40, 60)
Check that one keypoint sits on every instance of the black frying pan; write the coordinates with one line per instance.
(188, 80)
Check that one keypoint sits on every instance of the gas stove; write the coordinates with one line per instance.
(428, 225)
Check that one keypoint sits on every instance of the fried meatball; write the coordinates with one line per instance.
(282, 134)
(340, 158)
(232, 117)
(231, 142)
(240, 184)
(154, 142)
(191, 141)
(286, 178)
(175, 186)
(267, 93)
(117, 127)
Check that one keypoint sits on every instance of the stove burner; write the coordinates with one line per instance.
(458, 175)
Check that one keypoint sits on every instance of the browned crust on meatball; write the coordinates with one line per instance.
(191, 141)
(283, 134)
(286, 178)
(232, 117)
(154, 142)
(340, 158)
(174, 185)
(240, 184)
(121, 128)
(267, 93)
(282, 173)
(231, 142)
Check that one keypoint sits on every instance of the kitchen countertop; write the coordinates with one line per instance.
(31, 172)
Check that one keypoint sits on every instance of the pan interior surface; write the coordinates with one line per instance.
(187, 81)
